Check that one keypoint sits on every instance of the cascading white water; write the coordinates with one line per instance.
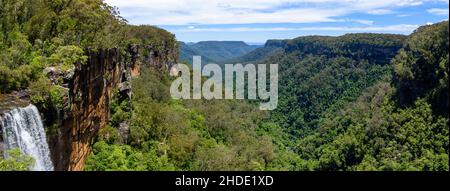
(23, 129)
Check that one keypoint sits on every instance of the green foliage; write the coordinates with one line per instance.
(109, 135)
(159, 40)
(421, 67)
(14, 56)
(371, 134)
(124, 158)
(320, 74)
(120, 110)
(67, 56)
(12, 79)
(191, 134)
(47, 95)
(342, 106)
(35, 34)
(16, 161)
(374, 133)
(336, 112)
(375, 48)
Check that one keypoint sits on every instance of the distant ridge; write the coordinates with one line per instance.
(269, 49)
(215, 51)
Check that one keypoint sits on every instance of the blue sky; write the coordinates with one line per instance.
(256, 21)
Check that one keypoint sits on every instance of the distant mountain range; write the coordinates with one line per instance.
(270, 48)
(215, 51)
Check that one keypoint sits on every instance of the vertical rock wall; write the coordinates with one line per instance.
(90, 93)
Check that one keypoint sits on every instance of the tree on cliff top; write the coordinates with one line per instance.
(32, 32)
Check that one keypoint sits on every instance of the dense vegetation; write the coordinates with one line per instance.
(16, 161)
(42, 36)
(38, 36)
(322, 74)
(168, 134)
(399, 123)
(355, 102)
(341, 108)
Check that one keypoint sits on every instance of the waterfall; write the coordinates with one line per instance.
(23, 129)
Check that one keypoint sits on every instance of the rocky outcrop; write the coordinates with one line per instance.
(163, 59)
(90, 93)
(14, 99)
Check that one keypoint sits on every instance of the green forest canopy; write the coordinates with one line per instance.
(355, 102)
(340, 109)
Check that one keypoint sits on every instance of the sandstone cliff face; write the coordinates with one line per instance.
(90, 93)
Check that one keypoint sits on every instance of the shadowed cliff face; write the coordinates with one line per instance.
(90, 93)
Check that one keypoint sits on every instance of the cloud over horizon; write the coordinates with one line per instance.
(390, 28)
(351, 15)
(185, 12)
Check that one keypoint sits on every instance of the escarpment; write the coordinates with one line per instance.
(90, 91)
(65, 63)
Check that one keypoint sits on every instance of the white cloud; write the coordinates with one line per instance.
(380, 12)
(362, 21)
(186, 12)
(403, 15)
(403, 28)
(437, 11)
